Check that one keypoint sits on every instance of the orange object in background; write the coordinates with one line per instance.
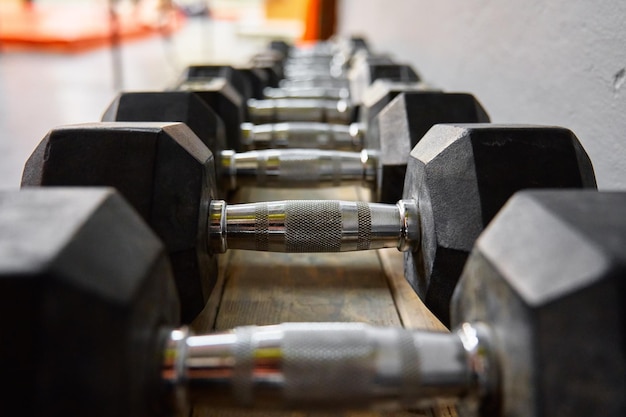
(286, 9)
(321, 20)
(77, 27)
(318, 16)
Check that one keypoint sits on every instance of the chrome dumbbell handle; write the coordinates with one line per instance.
(300, 110)
(297, 167)
(312, 135)
(315, 82)
(317, 72)
(327, 365)
(308, 92)
(312, 226)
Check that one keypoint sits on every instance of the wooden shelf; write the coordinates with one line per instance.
(269, 288)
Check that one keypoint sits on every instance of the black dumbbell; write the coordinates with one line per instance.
(458, 176)
(386, 156)
(338, 136)
(538, 322)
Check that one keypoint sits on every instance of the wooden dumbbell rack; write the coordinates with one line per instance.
(259, 288)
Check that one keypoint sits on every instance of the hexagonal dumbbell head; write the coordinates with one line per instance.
(84, 284)
(208, 72)
(271, 64)
(170, 106)
(549, 277)
(162, 169)
(461, 175)
(376, 97)
(258, 78)
(281, 46)
(403, 123)
(373, 68)
(225, 101)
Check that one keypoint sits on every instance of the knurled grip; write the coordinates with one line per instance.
(261, 230)
(302, 235)
(335, 363)
(300, 167)
(325, 234)
(311, 226)
(346, 352)
(364, 216)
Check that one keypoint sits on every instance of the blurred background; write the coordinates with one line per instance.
(63, 61)
(528, 61)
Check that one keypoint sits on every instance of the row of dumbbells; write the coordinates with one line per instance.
(180, 188)
(99, 278)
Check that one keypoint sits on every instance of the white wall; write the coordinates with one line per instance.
(528, 61)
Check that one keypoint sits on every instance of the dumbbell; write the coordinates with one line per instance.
(335, 136)
(330, 135)
(458, 176)
(380, 165)
(538, 322)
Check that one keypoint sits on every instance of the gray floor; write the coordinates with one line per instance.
(41, 90)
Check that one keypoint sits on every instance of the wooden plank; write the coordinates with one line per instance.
(412, 311)
(270, 288)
